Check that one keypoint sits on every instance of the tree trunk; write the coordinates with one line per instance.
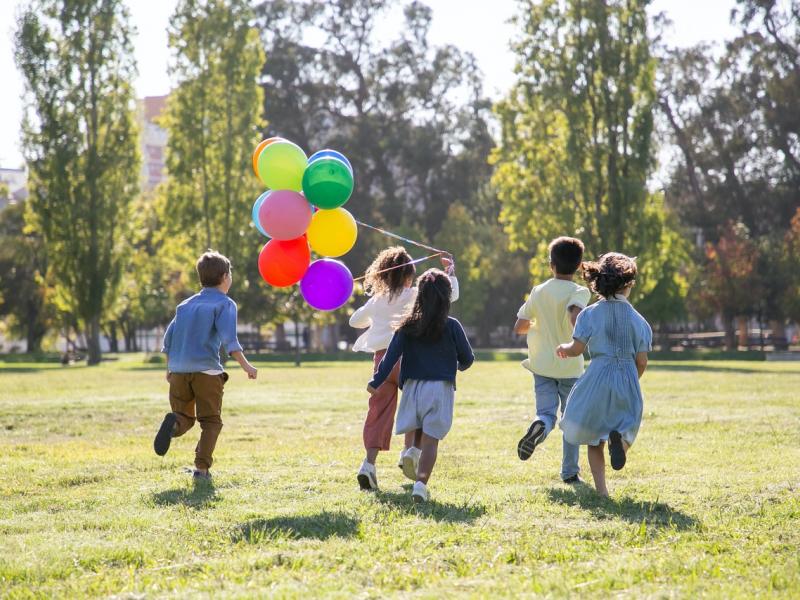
(93, 341)
(730, 333)
(280, 337)
(112, 337)
(744, 333)
(779, 341)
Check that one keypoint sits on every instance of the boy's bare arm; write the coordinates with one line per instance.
(251, 371)
(574, 311)
(522, 326)
(641, 362)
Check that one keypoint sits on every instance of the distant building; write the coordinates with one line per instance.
(17, 182)
(153, 141)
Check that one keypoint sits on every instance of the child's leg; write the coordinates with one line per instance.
(430, 449)
(379, 423)
(570, 452)
(545, 390)
(597, 463)
(411, 440)
(208, 390)
(182, 402)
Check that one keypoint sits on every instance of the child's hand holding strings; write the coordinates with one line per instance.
(448, 264)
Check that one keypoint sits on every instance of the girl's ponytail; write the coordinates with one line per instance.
(610, 274)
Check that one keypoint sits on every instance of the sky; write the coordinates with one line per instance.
(481, 29)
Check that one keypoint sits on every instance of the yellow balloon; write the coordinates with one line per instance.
(332, 232)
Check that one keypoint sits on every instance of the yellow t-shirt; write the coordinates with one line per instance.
(546, 309)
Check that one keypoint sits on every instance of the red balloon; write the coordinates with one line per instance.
(284, 262)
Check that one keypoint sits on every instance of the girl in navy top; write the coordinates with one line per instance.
(433, 347)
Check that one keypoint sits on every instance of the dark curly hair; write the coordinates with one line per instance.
(388, 273)
(428, 316)
(610, 274)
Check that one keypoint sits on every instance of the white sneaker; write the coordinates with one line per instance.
(410, 459)
(400, 459)
(367, 477)
(420, 492)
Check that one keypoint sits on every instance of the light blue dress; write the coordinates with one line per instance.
(607, 397)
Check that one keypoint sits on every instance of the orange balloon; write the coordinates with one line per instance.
(261, 145)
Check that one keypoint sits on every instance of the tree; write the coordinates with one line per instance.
(213, 117)
(729, 279)
(23, 268)
(80, 143)
(734, 122)
(576, 144)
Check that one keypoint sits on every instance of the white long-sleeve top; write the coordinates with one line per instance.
(382, 315)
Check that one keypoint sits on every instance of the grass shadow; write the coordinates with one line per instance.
(201, 494)
(432, 509)
(658, 514)
(711, 368)
(320, 526)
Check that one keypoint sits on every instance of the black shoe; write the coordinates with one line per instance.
(616, 450)
(164, 435)
(573, 479)
(199, 475)
(530, 440)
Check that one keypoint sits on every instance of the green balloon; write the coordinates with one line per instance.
(281, 165)
(327, 183)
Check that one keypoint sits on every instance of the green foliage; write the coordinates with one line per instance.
(213, 119)
(23, 271)
(80, 143)
(90, 512)
(576, 141)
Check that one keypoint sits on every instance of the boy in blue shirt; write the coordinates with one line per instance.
(196, 378)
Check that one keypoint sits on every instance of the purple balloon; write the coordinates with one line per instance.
(327, 284)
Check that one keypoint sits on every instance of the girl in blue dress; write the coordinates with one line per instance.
(605, 405)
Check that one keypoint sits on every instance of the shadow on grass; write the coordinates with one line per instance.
(657, 514)
(438, 511)
(710, 368)
(200, 495)
(320, 526)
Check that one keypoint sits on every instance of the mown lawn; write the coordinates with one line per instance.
(709, 504)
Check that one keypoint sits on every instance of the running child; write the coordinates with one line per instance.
(547, 317)
(388, 282)
(196, 378)
(606, 403)
(433, 346)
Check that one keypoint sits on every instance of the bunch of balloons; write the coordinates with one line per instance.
(302, 211)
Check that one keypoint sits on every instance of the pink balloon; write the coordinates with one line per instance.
(284, 214)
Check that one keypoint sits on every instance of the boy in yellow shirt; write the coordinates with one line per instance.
(548, 318)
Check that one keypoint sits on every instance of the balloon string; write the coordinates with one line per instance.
(413, 262)
(401, 238)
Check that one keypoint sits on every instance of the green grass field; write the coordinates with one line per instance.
(709, 504)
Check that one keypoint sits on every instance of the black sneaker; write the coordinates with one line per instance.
(530, 440)
(616, 450)
(574, 479)
(164, 435)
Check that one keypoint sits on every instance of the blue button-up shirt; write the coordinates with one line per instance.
(201, 325)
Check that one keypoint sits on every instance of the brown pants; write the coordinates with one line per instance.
(197, 396)
(379, 424)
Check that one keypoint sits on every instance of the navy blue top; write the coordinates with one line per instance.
(425, 360)
(201, 325)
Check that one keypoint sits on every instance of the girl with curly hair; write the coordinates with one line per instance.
(605, 405)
